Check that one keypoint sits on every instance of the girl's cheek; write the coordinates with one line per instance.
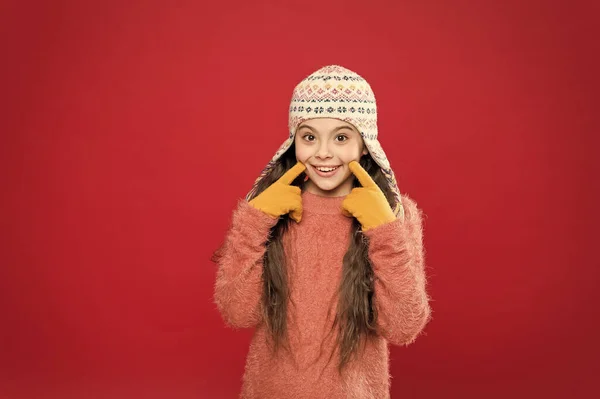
(303, 154)
(348, 159)
(302, 157)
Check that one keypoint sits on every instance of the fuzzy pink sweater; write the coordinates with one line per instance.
(315, 248)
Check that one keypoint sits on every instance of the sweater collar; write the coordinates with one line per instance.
(317, 204)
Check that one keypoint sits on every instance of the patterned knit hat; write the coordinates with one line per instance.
(336, 92)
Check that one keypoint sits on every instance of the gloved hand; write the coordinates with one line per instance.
(367, 203)
(281, 197)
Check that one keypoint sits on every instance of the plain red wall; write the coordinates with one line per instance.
(130, 130)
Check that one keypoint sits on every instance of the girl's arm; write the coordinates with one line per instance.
(238, 286)
(396, 253)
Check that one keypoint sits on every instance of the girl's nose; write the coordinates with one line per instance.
(323, 151)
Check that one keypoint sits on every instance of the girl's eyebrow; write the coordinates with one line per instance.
(314, 130)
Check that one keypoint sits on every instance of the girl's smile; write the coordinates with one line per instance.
(325, 171)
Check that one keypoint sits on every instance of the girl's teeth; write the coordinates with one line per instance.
(326, 170)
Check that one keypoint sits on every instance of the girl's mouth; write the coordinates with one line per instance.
(326, 171)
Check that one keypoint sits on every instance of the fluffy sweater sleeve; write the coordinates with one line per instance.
(396, 253)
(238, 286)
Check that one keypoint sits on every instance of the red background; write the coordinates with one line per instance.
(130, 129)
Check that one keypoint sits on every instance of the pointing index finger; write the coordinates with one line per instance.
(363, 177)
(289, 176)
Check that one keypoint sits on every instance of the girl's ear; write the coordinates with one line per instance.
(365, 151)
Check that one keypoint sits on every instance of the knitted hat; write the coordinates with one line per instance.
(336, 92)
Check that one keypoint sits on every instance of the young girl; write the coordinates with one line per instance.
(324, 256)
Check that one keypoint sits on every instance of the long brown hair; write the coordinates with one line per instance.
(356, 316)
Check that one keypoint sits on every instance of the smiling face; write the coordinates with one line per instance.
(326, 146)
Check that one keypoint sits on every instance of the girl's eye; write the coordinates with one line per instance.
(311, 137)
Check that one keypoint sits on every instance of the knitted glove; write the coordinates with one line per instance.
(367, 203)
(281, 197)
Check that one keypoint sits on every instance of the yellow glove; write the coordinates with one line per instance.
(367, 203)
(281, 197)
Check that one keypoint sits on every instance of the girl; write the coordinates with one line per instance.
(324, 256)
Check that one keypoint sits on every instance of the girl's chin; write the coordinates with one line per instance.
(327, 186)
